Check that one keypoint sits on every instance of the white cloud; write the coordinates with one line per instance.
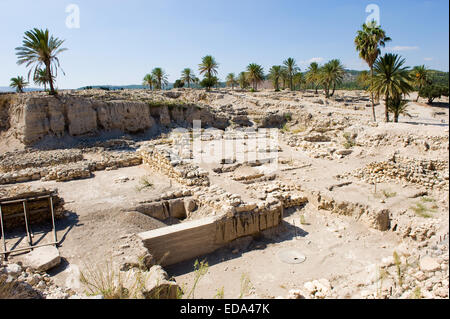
(402, 48)
(428, 59)
(317, 60)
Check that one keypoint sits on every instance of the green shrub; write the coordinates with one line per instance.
(432, 92)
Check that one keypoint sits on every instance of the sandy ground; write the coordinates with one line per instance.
(334, 246)
(95, 220)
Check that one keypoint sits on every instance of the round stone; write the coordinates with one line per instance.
(291, 256)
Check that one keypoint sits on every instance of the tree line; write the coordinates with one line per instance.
(388, 79)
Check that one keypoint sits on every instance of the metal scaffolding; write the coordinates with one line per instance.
(28, 230)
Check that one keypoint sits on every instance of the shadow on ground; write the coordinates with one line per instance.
(237, 248)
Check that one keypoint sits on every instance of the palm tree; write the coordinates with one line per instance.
(208, 66)
(391, 79)
(299, 80)
(255, 74)
(398, 107)
(19, 83)
(188, 76)
(231, 80)
(420, 77)
(368, 42)
(39, 48)
(331, 74)
(243, 80)
(338, 73)
(312, 75)
(149, 80)
(284, 77)
(275, 75)
(364, 79)
(160, 78)
(41, 78)
(291, 69)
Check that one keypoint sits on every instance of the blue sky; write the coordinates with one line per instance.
(118, 42)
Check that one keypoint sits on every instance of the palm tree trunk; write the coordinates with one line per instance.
(316, 89)
(417, 100)
(396, 117)
(334, 89)
(50, 79)
(386, 112)
(371, 93)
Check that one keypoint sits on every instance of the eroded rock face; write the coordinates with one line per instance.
(34, 117)
(31, 117)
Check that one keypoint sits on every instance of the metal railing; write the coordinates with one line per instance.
(24, 202)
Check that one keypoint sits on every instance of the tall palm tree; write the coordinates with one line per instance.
(420, 76)
(40, 49)
(331, 74)
(275, 75)
(312, 75)
(284, 77)
(188, 76)
(231, 80)
(243, 80)
(149, 80)
(41, 78)
(19, 83)
(368, 42)
(291, 69)
(255, 74)
(160, 78)
(208, 66)
(338, 73)
(391, 79)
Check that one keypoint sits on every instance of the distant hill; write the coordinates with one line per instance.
(439, 77)
(134, 87)
(10, 89)
(349, 82)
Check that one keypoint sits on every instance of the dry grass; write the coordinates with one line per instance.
(422, 210)
(201, 269)
(104, 280)
(246, 286)
(6, 288)
(144, 183)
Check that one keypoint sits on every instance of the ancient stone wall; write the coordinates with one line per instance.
(173, 244)
(159, 159)
(59, 165)
(38, 209)
(31, 117)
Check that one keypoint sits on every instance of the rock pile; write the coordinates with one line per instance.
(76, 168)
(15, 161)
(17, 282)
(161, 159)
(423, 172)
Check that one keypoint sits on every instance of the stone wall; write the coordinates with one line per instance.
(159, 158)
(38, 210)
(173, 244)
(429, 173)
(31, 117)
(70, 170)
